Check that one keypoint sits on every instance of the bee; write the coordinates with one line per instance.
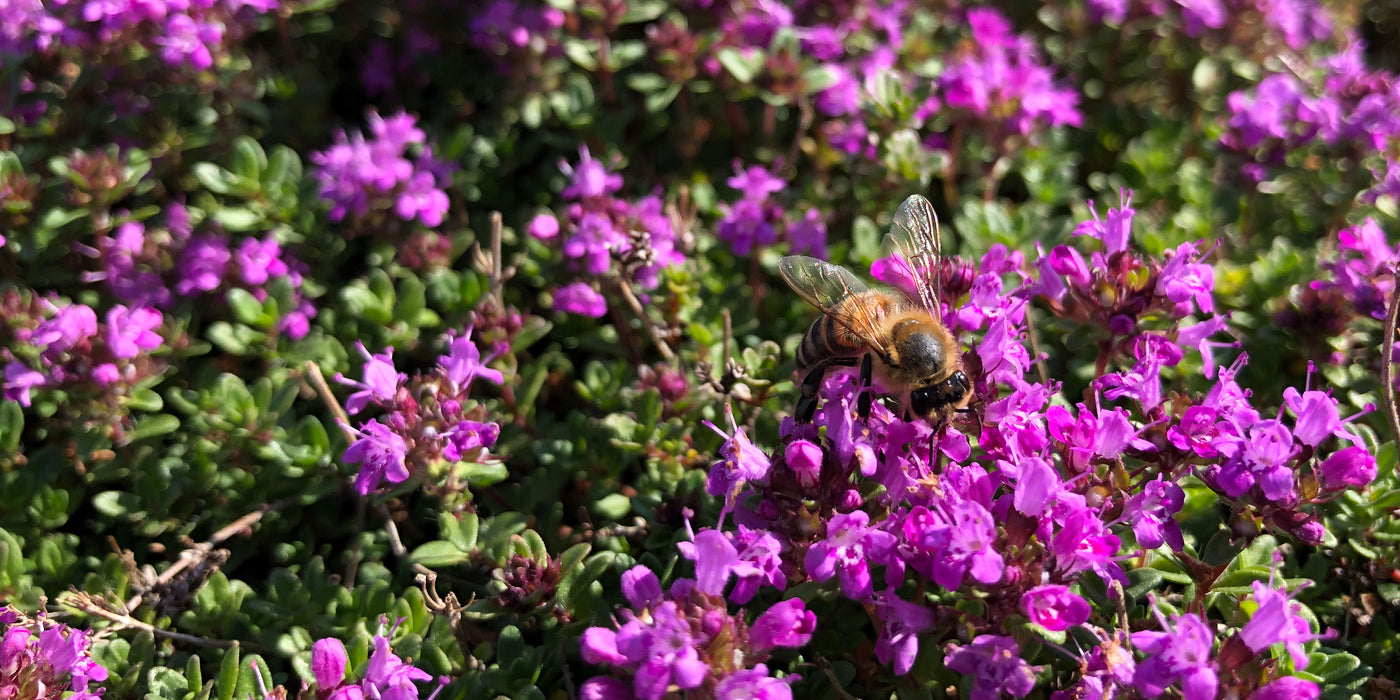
(896, 337)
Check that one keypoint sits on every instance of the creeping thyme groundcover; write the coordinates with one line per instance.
(357, 349)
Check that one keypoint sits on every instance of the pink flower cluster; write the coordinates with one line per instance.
(71, 348)
(182, 32)
(46, 661)
(1018, 513)
(754, 221)
(386, 676)
(361, 176)
(159, 266)
(604, 234)
(428, 418)
(686, 638)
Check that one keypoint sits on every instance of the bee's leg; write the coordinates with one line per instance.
(866, 392)
(976, 415)
(811, 384)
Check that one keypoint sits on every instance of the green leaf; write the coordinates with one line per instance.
(535, 545)
(238, 219)
(484, 473)
(116, 504)
(613, 506)
(246, 307)
(166, 684)
(510, 645)
(743, 64)
(11, 426)
(153, 426)
(438, 553)
(642, 11)
(214, 179)
(228, 674)
(249, 160)
(573, 556)
(582, 53)
(144, 400)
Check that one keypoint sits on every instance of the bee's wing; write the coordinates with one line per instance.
(914, 240)
(826, 286)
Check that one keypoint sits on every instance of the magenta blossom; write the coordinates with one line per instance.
(1054, 607)
(849, 549)
(381, 382)
(995, 665)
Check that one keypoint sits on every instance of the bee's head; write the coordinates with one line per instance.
(924, 400)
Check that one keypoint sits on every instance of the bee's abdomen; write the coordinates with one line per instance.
(826, 338)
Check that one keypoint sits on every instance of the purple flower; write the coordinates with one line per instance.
(188, 41)
(755, 183)
(1288, 688)
(666, 649)
(741, 461)
(469, 439)
(381, 382)
(715, 557)
(595, 237)
(1037, 484)
(1084, 543)
(1001, 78)
(1180, 654)
(1349, 466)
(543, 227)
(422, 200)
(753, 684)
(804, 458)
(1054, 607)
(1261, 457)
(1317, 417)
(1151, 511)
(129, 331)
(807, 236)
(787, 624)
(640, 587)
(1196, 432)
(69, 326)
(746, 225)
(1114, 229)
(358, 175)
(604, 687)
(328, 660)
(19, 380)
(1276, 621)
(463, 363)
(582, 299)
(46, 665)
(590, 178)
(381, 453)
(901, 624)
(1182, 280)
(388, 677)
(953, 540)
(257, 261)
(202, 265)
(996, 666)
(849, 549)
(753, 556)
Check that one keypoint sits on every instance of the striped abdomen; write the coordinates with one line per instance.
(829, 337)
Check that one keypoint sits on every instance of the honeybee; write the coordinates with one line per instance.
(897, 337)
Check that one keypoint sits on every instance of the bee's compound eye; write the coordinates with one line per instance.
(923, 400)
(958, 383)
